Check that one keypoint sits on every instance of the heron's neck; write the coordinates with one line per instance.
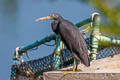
(55, 26)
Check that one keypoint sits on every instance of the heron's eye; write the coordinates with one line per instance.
(54, 16)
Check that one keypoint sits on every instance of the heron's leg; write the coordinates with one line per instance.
(75, 65)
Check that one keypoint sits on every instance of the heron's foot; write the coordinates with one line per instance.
(77, 70)
(71, 71)
(67, 72)
(112, 56)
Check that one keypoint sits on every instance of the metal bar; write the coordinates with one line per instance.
(106, 41)
(86, 21)
(37, 43)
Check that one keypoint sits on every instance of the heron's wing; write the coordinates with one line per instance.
(74, 40)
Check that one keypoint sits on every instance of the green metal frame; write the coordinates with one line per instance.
(96, 40)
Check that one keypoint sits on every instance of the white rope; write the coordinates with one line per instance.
(17, 54)
(19, 57)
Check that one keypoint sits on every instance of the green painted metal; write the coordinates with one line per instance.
(37, 43)
(106, 41)
(94, 33)
(33, 45)
(84, 22)
(46, 39)
(57, 55)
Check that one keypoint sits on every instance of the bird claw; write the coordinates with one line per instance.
(71, 71)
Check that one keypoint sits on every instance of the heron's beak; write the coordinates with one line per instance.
(44, 18)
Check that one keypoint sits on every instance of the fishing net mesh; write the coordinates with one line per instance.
(33, 69)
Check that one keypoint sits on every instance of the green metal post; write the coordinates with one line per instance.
(95, 32)
(57, 55)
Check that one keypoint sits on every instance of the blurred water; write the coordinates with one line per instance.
(18, 28)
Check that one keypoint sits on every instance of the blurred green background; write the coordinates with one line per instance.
(110, 13)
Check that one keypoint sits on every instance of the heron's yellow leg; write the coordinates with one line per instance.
(75, 64)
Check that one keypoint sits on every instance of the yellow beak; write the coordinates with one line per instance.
(44, 18)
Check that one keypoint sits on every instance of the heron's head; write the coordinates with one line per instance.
(53, 16)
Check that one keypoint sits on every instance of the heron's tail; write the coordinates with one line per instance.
(87, 63)
(85, 60)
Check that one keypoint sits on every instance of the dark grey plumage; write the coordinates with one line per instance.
(72, 38)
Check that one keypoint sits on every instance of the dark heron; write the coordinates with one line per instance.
(71, 37)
